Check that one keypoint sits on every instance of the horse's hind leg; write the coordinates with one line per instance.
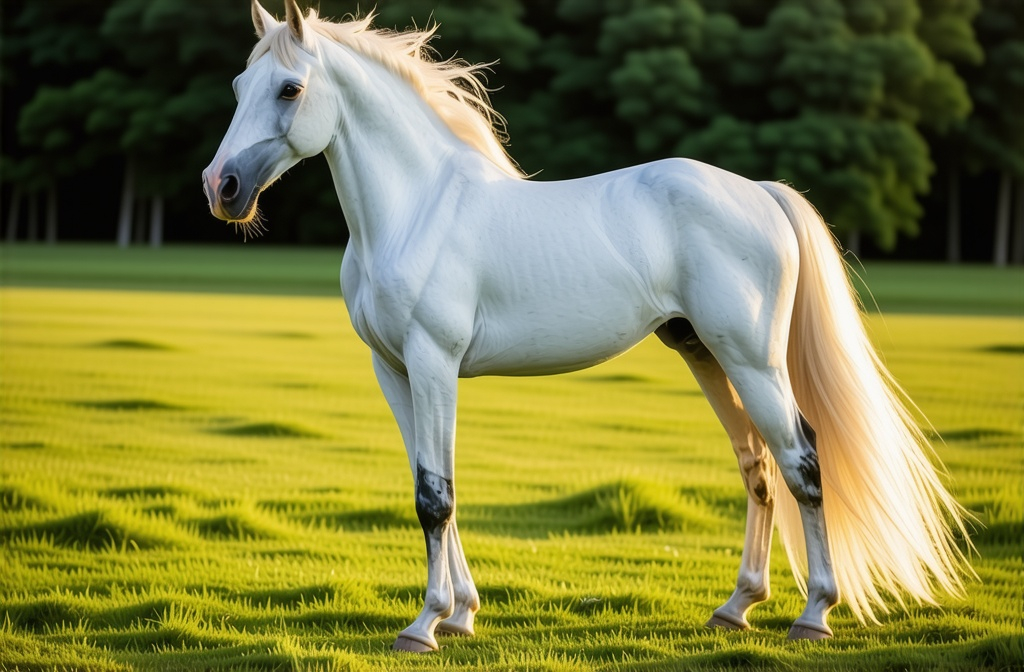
(755, 465)
(768, 398)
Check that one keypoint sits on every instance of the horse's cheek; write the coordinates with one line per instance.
(311, 129)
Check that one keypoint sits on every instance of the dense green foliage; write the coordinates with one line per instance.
(828, 95)
(852, 100)
(212, 481)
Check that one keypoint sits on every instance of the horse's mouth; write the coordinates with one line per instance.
(248, 218)
(251, 221)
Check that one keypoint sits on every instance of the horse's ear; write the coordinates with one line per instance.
(262, 21)
(293, 17)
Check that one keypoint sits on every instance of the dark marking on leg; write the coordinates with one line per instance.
(809, 468)
(678, 333)
(435, 500)
(808, 431)
(761, 492)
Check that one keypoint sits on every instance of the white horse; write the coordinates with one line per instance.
(458, 266)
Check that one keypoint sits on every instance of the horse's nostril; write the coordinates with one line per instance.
(229, 188)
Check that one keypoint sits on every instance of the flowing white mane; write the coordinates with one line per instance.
(452, 88)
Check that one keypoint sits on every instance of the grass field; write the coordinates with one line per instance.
(197, 471)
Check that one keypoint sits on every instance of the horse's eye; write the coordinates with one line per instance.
(290, 92)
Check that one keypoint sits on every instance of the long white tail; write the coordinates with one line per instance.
(892, 525)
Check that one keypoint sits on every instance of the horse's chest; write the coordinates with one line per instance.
(378, 332)
(374, 325)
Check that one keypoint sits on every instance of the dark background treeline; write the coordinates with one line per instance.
(902, 119)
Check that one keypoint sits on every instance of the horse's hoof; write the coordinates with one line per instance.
(813, 633)
(455, 629)
(412, 645)
(726, 623)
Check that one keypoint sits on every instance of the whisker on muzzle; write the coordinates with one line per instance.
(252, 227)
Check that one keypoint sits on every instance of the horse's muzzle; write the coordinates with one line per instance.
(224, 192)
(232, 185)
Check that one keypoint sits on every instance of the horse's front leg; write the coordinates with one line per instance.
(398, 393)
(467, 600)
(424, 404)
(435, 506)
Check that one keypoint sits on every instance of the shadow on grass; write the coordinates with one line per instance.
(1005, 349)
(381, 518)
(266, 429)
(147, 492)
(238, 525)
(988, 436)
(13, 498)
(25, 445)
(132, 344)
(44, 614)
(126, 405)
(624, 506)
(94, 530)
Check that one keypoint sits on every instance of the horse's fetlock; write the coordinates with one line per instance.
(470, 599)
(827, 596)
(440, 602)
(753, 586)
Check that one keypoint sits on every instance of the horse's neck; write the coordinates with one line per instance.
(388, 156)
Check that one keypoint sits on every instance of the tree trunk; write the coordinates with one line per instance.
(13, 214)
(853, 243)
(953, 218)
(1018, 226)
(33, 218)
(139, 227)
(156, 222)
(51, 214)
(1001, 247)
(124, 220)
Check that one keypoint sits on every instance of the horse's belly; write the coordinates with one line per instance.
(563, 342)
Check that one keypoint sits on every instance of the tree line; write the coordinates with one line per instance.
(876, 108)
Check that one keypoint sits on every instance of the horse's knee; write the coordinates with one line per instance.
(435, 500)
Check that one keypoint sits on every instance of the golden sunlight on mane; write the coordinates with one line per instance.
(453, 88)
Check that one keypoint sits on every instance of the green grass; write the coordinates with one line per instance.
(259, 269)
(249, 268)
(194, 479)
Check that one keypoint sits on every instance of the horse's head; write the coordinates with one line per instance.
(286, 112)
